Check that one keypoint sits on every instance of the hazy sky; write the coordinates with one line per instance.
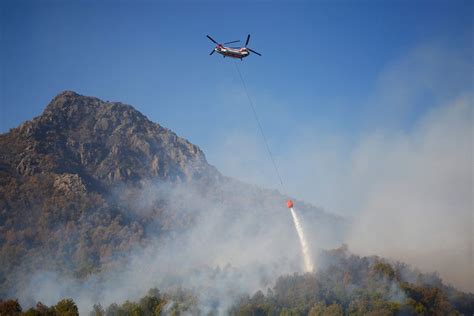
(331, 74)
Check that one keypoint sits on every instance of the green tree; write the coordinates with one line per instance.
(31, 312)
(318, 309)
(132, 309)
(66, 307)
(151, 303)
(384, 269)
(334, 310)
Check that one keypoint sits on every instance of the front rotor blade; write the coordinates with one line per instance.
(212, 52)
(232, 42)
(248, 39)
(212, 39)
(254, 52)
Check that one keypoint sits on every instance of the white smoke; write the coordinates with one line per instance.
(405, 176)
(234, 247)
(418, 206)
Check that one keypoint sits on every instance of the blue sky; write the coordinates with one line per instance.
(332, 72)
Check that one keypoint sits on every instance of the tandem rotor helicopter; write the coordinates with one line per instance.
(234, 52)
(240, 53)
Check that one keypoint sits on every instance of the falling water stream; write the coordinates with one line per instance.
(308, 263)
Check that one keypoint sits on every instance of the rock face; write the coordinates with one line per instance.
(105, 141)
(72, 185)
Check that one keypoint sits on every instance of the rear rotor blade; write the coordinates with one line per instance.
(247, 41)
(254, 52)
(212, 52)
(212, 39)
(232, 42)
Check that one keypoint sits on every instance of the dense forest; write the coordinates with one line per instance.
(345, 284)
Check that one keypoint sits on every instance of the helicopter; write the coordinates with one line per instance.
(234, 52)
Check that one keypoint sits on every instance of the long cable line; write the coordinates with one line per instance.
(260, 127)
(308, 263)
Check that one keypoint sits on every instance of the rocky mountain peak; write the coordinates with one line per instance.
(103, 141)
(74, 110)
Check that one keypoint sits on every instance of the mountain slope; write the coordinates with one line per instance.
(57, 172)
(88, 181)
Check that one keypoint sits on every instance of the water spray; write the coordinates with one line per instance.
(308, 263)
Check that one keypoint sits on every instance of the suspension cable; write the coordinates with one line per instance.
(260, 127)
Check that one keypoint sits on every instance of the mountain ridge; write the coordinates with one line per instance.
(90, 189)
(76, 127)
(72, 184)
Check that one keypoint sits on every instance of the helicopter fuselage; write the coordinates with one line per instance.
(232, 52)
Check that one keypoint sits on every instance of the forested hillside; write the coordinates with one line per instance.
(346, 284)
(99, 204)
(87, 182)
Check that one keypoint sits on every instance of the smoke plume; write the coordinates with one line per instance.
(233, 247)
